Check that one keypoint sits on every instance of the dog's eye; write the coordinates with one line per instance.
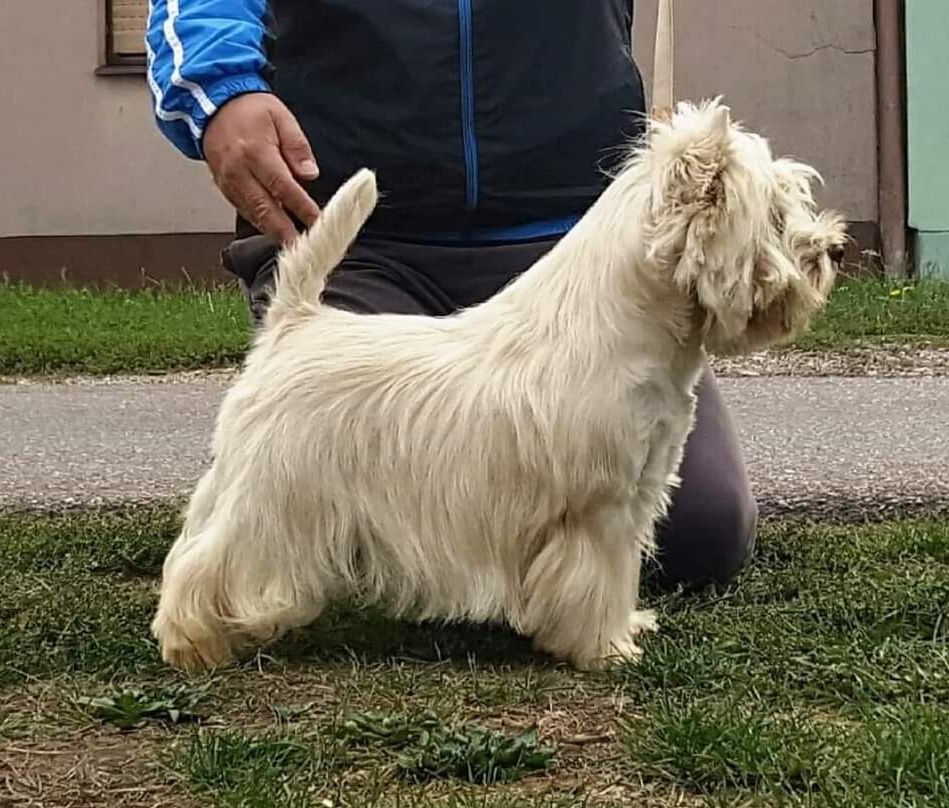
(836, 254)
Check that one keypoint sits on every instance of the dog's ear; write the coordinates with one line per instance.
(690, 155)
(692, 198)
(690, 152)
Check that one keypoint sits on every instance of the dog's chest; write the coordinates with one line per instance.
(627, 434)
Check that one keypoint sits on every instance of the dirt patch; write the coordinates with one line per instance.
(89, 769)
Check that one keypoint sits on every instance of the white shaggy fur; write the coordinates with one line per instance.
(509, 462)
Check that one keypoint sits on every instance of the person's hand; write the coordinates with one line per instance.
(257, 154)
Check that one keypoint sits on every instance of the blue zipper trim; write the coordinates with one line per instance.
(469, 137)
(531, 231)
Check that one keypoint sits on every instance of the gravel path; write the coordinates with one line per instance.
(818, 446)
(889, 361)
(892, 361)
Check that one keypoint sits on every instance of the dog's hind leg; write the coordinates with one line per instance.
(196, 515)
(240, 583)
(189, 623)
(580, 592)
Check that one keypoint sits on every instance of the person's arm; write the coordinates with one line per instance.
(205, 71)
(201, 54)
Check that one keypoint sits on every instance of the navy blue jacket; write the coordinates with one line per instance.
(479, 116)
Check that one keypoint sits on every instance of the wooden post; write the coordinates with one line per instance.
(663, 75)
(891, 145)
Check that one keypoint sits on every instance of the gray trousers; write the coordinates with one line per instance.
(709, 533)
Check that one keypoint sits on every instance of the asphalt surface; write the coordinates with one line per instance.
(842, 448)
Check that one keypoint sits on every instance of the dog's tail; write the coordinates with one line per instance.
(305, 264)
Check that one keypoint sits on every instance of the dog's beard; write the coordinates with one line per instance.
(779, 320)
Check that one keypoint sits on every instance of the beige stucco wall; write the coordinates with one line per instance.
(79, 154)
(801, 73)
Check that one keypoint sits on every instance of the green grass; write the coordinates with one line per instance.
(273, 769)
(68, 331)
(892, 755)
(427, 748)
(820, 679)
(132, 709)
(115, 331)
(861, 312)
(286, 768)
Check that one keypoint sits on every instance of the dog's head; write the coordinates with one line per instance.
(738, 230)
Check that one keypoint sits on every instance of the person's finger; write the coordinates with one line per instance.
(270, 170)
(294, 146)
(257, 205)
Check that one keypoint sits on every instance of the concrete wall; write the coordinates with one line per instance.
(801, 73)
(79, 154)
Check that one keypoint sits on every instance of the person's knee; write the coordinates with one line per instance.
(253, 261)
(736, 535)
(709, 540)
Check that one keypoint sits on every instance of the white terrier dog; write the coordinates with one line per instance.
(508, 462)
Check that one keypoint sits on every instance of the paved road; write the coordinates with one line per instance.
(823, 446)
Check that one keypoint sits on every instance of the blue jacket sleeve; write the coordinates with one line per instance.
(202, 53)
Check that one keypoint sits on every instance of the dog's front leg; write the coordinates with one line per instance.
(640, 620)
(580, 592)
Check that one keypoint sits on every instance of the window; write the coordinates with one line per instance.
(125, 32)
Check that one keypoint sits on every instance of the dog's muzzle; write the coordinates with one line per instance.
(836, 255)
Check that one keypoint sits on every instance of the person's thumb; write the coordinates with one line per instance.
(294, 146)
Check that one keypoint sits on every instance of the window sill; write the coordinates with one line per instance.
(120, 70)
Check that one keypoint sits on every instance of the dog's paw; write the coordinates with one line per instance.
(623, 650)
(619, 650)
(192, 651)
(642, 621)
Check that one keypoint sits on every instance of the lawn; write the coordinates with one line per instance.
(862, 312)
(820, 679)
(115, 331)
(61, 331)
